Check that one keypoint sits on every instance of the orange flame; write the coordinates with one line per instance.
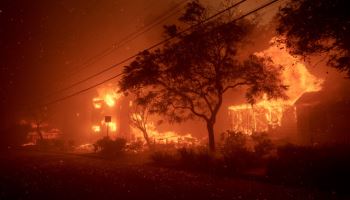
(267, 114)
(168, 137)
(107, 96)
(96, 128)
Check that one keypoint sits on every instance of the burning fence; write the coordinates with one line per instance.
(167, 137)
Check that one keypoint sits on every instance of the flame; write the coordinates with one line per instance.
(96, 128)
(112, 126)
(295, 74)
(267, 114)
(167, 137)
(109, 100)
(97, 103)
(107, 96)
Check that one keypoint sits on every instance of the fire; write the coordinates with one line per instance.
(109, 100)
(260, 117)
(107, 96)
(97, 103)
(96, 128)
(168, 137)
(104, 104)
(112, 126)
(267, 114)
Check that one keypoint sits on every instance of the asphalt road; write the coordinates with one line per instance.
(36, 175)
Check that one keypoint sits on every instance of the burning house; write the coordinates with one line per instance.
(311, 115)
(278, 117)
(119, 107)
(109, 103)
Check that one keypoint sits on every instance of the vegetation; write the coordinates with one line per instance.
(322, 167)
(189, 75)
(312, 27)
(238, 154)
(139, 120)
(109, 147)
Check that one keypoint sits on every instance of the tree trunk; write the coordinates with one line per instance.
(39, 132)
(210, 128)
(145, 135)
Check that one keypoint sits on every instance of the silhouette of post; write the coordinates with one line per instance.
(108, 119)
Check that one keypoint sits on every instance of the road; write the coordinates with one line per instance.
(37, 175)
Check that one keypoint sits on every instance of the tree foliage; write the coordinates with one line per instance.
(188, 76)
(318, 27)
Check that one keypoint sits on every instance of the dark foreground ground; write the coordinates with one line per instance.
(37, 175)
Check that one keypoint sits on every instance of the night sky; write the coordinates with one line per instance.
(44, 42)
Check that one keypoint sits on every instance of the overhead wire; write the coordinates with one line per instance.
(147, 49)
(130, 37)
(156, 45)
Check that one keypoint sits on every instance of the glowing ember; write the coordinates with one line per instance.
(168, 137)
(267, 114)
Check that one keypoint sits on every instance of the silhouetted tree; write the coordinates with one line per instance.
(39, 118)
(318, 27)
(139, 120)
(188, 76)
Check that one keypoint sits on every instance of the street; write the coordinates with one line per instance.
(38, 175)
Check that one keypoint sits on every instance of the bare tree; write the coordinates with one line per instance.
(139, 120)
(39, 118)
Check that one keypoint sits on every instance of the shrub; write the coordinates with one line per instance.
(136, 146)
(235, 152)
(163, 157)
(262, 145)
(109, 147)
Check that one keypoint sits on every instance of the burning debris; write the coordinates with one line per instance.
(167, 137)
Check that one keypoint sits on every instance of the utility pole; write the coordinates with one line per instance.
(107, 128)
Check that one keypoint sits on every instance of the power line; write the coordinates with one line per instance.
(132, 36)
(82, 91)
(98, 55)
(149, 48)
(159, 43)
